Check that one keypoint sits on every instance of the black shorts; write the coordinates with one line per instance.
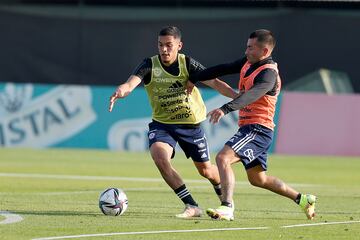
(191, 139)
(251, 143)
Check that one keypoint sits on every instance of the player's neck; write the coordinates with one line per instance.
(167, 64)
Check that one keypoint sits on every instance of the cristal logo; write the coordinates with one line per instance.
(43, 120)
(13, 98)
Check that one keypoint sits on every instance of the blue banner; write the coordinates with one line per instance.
(40, 116)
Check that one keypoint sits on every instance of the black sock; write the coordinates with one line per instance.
(217, 189)
(224, 203)
(298, 197)
(185, 195)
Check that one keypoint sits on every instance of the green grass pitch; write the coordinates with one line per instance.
(56, 191)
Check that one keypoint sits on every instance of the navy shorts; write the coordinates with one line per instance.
(251, 143)
(191, 139)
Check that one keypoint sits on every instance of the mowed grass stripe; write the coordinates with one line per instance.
(130, 179)
(152, 232)
(192, 230)
(57, 206)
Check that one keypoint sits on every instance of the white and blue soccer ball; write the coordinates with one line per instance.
(113, 202)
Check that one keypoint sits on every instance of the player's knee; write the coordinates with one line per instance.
(162, 164)
(205, 172)
(222, 160)
(257, 181)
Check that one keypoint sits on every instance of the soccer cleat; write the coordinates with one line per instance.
(221, 213)
(307, 204)
(190, 211)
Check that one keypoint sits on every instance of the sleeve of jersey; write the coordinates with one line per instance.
(217, 71)
(263, 83)
(193, 65)
(143, 69)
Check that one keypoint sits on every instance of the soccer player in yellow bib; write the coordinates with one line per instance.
(176, 116)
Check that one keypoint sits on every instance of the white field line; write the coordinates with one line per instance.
(319, 224)
(149, 189)
(151, 232)
(192, 230)
(130, 179)
(10, 217)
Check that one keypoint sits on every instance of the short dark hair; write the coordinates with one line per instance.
(170, 31)
(264, 37)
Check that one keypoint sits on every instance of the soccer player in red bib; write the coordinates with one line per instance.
(259, 87)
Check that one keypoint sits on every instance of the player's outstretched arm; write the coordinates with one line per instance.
(222, 87)
(124, 89)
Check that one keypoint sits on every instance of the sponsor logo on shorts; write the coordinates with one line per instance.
(199, 139)
(201, 145)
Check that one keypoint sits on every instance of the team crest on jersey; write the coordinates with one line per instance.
(156, 71)
(249, 153)
(151, 135)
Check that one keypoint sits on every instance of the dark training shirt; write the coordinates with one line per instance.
(143, 70)
(265, 83)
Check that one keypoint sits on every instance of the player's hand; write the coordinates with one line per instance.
(189, 87)
(215, 115)
(117, 94)
(113, 98)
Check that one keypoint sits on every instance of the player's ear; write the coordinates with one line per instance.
(266, 50)
(180, 45)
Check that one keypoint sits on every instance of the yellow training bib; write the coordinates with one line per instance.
(169, 101)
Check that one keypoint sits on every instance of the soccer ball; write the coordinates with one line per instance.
(113, 202)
